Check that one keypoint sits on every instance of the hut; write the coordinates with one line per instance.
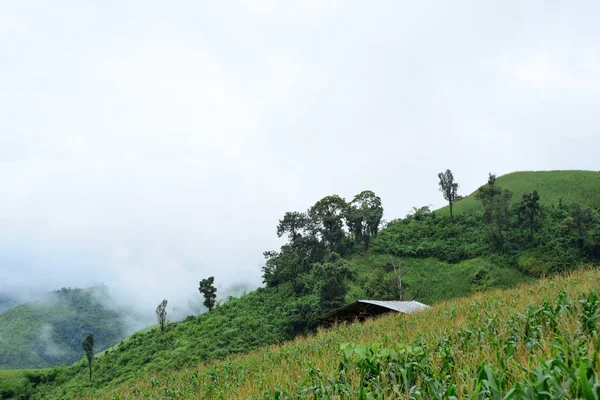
(362, 309)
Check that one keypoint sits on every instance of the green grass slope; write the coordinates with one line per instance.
(539, 340)
(581, 187)
(264, 317)
(49, 331)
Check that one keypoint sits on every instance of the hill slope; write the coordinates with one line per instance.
(263, 317)
(537, 338)
(581, 187)
(441, 260)
(49, 331)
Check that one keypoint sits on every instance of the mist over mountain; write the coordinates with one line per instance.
(148, 158)
(7, 302)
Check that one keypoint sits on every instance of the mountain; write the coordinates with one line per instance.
(440, 260)
(49, 331)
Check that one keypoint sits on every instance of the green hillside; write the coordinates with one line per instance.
(335, 254)
(537, 341)
(262, 317)
(581, 187)
(49, 331)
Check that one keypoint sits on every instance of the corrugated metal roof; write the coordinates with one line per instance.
(405, 307)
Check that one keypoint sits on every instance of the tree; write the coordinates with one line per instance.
(528, 210)
(209, 291)
(418, 212)
(487, 192)
(496, 212)
(448, 188)
(332, 275)
(327, 215)
(583, 221)
(292, 224)
(88, 347)
(363, 217)
(563, 237)
(161, 315)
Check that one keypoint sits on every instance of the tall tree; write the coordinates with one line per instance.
(583, 221)
(161, 314)
(332, 275)
(528, 210)
(209, 291)
(363, 217)
(328, 217)
(486, 195)
(293, 223)
(496, 212)
(448, 188)
(88, 347)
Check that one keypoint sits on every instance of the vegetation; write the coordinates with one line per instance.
(581, 187)
(161, 315)
(209, 291)
(326, 262)
(364, 216)
(536, 341)
(49, 331)
(449, 189)
(88, 348)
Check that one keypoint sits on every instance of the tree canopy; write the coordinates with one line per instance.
(449, 189)
(209, 291)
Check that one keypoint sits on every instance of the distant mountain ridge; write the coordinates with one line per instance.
(49, 331)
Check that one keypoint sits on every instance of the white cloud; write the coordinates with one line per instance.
(183, 97)
(12, 27)
(148, 148)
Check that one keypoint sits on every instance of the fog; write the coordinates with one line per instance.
(45, 341)
(149, 145)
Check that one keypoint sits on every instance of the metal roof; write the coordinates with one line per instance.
(404, 307)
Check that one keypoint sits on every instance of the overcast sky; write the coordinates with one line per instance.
(147, 145)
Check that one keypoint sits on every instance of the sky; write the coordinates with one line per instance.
(147, 145)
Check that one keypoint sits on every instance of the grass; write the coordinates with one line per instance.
(522, 342)
(581, 187)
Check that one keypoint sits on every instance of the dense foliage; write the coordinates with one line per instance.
(49, 331)
(526, 234)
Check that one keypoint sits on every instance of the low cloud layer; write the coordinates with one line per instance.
(149, 146)
(47, 344)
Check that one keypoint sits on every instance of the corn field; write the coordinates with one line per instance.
(537, 341)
